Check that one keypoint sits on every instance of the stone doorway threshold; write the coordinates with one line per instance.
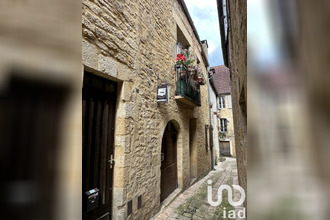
(170, 198)
(192, 181)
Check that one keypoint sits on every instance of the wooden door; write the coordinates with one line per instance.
(31, 119)
(99, 101)
(225, 148)
(169, 174)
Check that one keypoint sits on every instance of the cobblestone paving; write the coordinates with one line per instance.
(192, 203)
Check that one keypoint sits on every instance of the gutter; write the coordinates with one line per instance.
(224, 41)
(210, 116)
(185, 10)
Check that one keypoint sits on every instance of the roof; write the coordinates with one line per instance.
(221, 79)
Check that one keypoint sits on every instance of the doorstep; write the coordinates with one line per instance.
(170, 198)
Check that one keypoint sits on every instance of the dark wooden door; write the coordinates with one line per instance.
(31, 121)
(169, 174)
(99, 102)
(225, 148)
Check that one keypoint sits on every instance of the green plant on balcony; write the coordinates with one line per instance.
(185, 60)
(188, 74)
(200, 78)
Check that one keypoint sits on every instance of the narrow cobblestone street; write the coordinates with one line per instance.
(192, 203)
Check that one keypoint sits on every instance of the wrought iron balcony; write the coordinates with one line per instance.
(188, 92)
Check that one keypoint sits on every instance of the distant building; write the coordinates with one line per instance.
(226, 140)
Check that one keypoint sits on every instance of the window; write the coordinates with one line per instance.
(182, 42)
(223, 124)
(129, 207)
(140, 201)
(179, 48)
(222, 102)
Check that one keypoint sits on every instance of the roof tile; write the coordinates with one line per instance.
(221, 79)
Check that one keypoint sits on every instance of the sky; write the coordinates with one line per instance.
(205, 17)
(263, 48)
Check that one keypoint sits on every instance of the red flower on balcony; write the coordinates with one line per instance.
(184, 59)
(181, 57)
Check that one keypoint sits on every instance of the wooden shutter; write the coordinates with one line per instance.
(206, 139)
(229, 102)
(211, 136)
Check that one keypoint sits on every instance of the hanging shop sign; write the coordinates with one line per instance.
(163, 93)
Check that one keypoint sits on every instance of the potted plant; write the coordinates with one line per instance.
(200, 78)
(200, 81)
(185, 60)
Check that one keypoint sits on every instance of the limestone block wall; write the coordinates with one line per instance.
(238, 68)
(134, 43)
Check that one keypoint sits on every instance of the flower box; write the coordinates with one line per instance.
(201, 81)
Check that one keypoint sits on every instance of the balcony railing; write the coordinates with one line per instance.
(188, 92)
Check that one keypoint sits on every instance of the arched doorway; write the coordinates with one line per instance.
(169, 170)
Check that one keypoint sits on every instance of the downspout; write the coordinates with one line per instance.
(210, 116)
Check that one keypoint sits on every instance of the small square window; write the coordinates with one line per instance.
(140, 201)
(222, 102)
(223, 125)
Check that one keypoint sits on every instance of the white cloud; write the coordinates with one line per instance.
(260, 34)
(201, 4)
(205, 17)
(212, 46)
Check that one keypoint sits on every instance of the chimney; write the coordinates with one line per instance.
(205, 47)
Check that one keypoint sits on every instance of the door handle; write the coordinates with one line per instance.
(111, 161)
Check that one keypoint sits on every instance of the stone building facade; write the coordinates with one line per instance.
(233, 27)
(132, 47)
(214, 119)
(226, 140)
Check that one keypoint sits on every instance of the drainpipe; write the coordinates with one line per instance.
(208, 90)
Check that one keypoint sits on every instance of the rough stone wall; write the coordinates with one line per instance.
(229, 135)
(214, 118)
(313, 60)
(238, 68)
(134, 43)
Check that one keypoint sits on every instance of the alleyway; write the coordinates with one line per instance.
(192, 203)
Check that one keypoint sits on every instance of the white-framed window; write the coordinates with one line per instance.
(222, 102)
(223, 124)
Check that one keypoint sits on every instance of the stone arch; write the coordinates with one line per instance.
(178, 128)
